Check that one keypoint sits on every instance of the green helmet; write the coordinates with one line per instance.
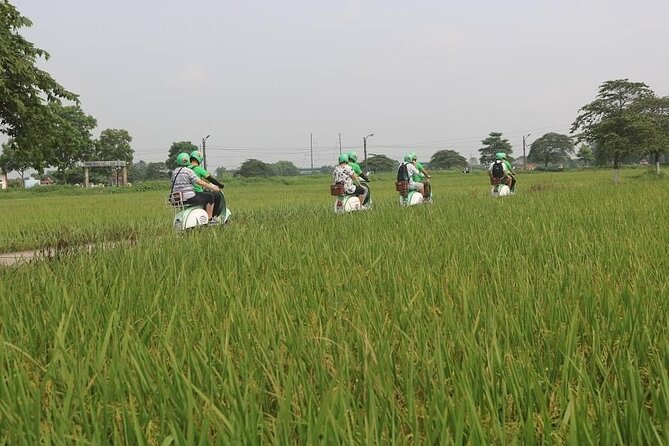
(352, 156)
(500, 155)
(343, 158)
(408, 157)
(413, 156)
(197, 156)
(183, 159)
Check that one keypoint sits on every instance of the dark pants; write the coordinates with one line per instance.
(359, 190)
(512, 183)
(200, 199)
(217, 204)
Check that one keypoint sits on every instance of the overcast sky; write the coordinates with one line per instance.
(422, 75)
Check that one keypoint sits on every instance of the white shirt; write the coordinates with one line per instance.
(342, 174)
(412, 170)
(183, 179)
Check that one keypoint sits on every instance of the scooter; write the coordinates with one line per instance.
(190, 216)
(348, 203)
(410, 197)
(499, 188)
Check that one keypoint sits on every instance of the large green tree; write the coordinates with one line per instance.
(492, 144)
(551, 148)
(114, 144)
(446, 159)
(56, 135)
(37, 129)
(176, 149)
(220, 172)
(656, 111)
(255, 168)
(11, 159)
(381, 163)
(612, 125)
(285, 169)
(156, 171)
(585, 154)
(24, 89)
(137, 171)
(69, 140)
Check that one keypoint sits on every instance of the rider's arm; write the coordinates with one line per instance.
(206, 185)
(214, 181)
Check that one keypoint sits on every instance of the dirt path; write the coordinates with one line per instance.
(8, 259)
(15, 258)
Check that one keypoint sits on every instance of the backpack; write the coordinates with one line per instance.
(498, 169)
(403, 173)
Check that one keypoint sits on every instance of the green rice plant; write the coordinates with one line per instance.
(538, 318)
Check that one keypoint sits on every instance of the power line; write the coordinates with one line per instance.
(259, 150)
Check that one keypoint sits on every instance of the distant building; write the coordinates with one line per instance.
(30, 182)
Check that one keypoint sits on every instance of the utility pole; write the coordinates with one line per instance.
(364, 148)
(524, 157)
(311, 145)
(340, 143)
(204, 152)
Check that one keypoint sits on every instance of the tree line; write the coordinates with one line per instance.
(44, 121)
(47, 127)
(627, 122)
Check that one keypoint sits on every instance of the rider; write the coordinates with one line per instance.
(184, 180)
(344, 174)
(499, 170)
(423, 176)
(353, 162)
(512, 174)
(196, 166)
(410, 163)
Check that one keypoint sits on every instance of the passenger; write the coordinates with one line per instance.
(512, 174)
(195, 165)
(184, 181)
(499, 171)
(423, 177)
(343, 174)
(353, 162)
(413, 172)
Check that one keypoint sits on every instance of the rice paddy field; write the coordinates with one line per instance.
(541, 318)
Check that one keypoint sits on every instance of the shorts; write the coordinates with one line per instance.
(414, 186)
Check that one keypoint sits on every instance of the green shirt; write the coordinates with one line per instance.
(419, 178)
(508, 166)
(201, 174)
(356, 168)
